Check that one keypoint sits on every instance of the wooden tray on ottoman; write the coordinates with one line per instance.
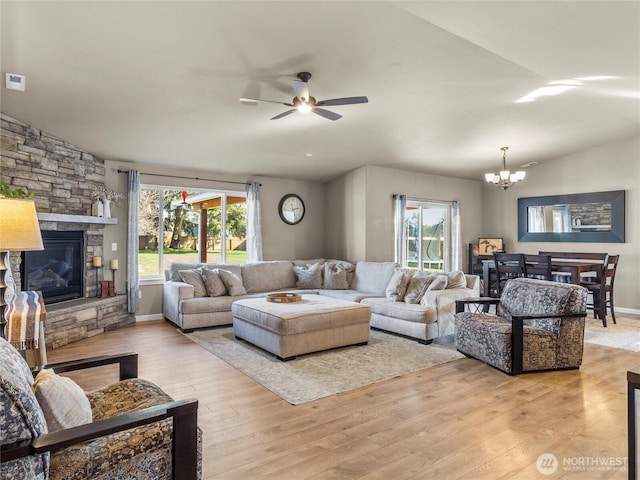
(284, 297)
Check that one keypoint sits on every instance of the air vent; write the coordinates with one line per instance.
(15, 81)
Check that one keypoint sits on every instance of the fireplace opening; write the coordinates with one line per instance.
(56, 271)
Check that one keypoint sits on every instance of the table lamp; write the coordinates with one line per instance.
(19, 231)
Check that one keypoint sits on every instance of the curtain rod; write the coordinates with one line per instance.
(424, 200)
(188, 178)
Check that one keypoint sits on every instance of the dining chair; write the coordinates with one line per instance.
(508, 266)
(537, 266)
(601, 289)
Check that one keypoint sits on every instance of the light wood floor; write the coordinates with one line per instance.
(460, 420)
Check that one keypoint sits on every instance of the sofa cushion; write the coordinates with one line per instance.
(397, 286)
(409, 312)
(268, 276)
(335, 276)
(194, 278)
(232, 282)
(213, 283)
(456, 279)
(308, 276)
(207, 305)
(373, 277)
(350, 295)
(63, 402)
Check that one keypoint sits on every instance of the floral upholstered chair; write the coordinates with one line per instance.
(51, 429)
(539, 325)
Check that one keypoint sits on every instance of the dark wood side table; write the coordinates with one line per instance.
(476, 304)
(633, 391)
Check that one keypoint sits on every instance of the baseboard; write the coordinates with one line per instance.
(148, 318)
(631, 311)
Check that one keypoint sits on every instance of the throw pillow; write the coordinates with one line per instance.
(456, 279)
(232, 282)
(193, 277)
(308, 276)
(397, 286)
(63, 402)
(349, 267)
(440, 282)
(419, 284)
(214, 284)
(335, 276)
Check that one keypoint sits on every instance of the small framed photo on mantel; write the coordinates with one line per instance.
(489, 246)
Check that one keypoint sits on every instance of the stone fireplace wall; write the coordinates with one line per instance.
(62, 178)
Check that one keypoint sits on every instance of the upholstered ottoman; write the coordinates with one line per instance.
(290, 329)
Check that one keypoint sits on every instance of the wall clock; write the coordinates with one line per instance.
(291, 209)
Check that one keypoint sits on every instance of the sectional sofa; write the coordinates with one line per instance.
(198, 295)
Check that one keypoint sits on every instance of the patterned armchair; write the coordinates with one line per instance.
(135, 430)
(539, 326)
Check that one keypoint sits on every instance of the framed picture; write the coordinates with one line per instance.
(489, 246)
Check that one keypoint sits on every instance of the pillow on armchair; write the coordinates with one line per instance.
(63, 402)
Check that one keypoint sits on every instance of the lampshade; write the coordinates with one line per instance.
(19, 229)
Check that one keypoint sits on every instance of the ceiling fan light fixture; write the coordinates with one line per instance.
(505, 178)
(304, 107)
(303, 102)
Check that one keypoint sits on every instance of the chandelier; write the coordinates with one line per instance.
(505, 178)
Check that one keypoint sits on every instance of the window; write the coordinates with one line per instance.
(187, 226)
(427, 235)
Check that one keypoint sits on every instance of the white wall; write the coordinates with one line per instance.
(613, 166)
(370, 208)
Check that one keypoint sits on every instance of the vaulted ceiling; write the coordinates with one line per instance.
(159, 82)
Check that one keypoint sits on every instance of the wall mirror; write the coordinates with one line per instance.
(582, 217)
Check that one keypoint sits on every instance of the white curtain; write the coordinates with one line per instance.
(399, 206)
(456, 237)
(133, 284)
(254, 229)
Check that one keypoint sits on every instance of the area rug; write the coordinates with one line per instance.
(625, 334)
(317, 375)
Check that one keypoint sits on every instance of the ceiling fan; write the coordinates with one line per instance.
(303, 102)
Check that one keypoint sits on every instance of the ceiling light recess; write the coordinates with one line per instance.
(505, 178)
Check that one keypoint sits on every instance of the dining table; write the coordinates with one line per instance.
(574, 268)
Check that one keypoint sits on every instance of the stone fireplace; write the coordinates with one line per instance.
(62, 177)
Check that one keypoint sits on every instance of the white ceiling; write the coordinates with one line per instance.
(159, 82)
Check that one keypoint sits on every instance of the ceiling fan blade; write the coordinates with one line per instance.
(254, 100)
(326, 114)
(284, 114)
(343, 101)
